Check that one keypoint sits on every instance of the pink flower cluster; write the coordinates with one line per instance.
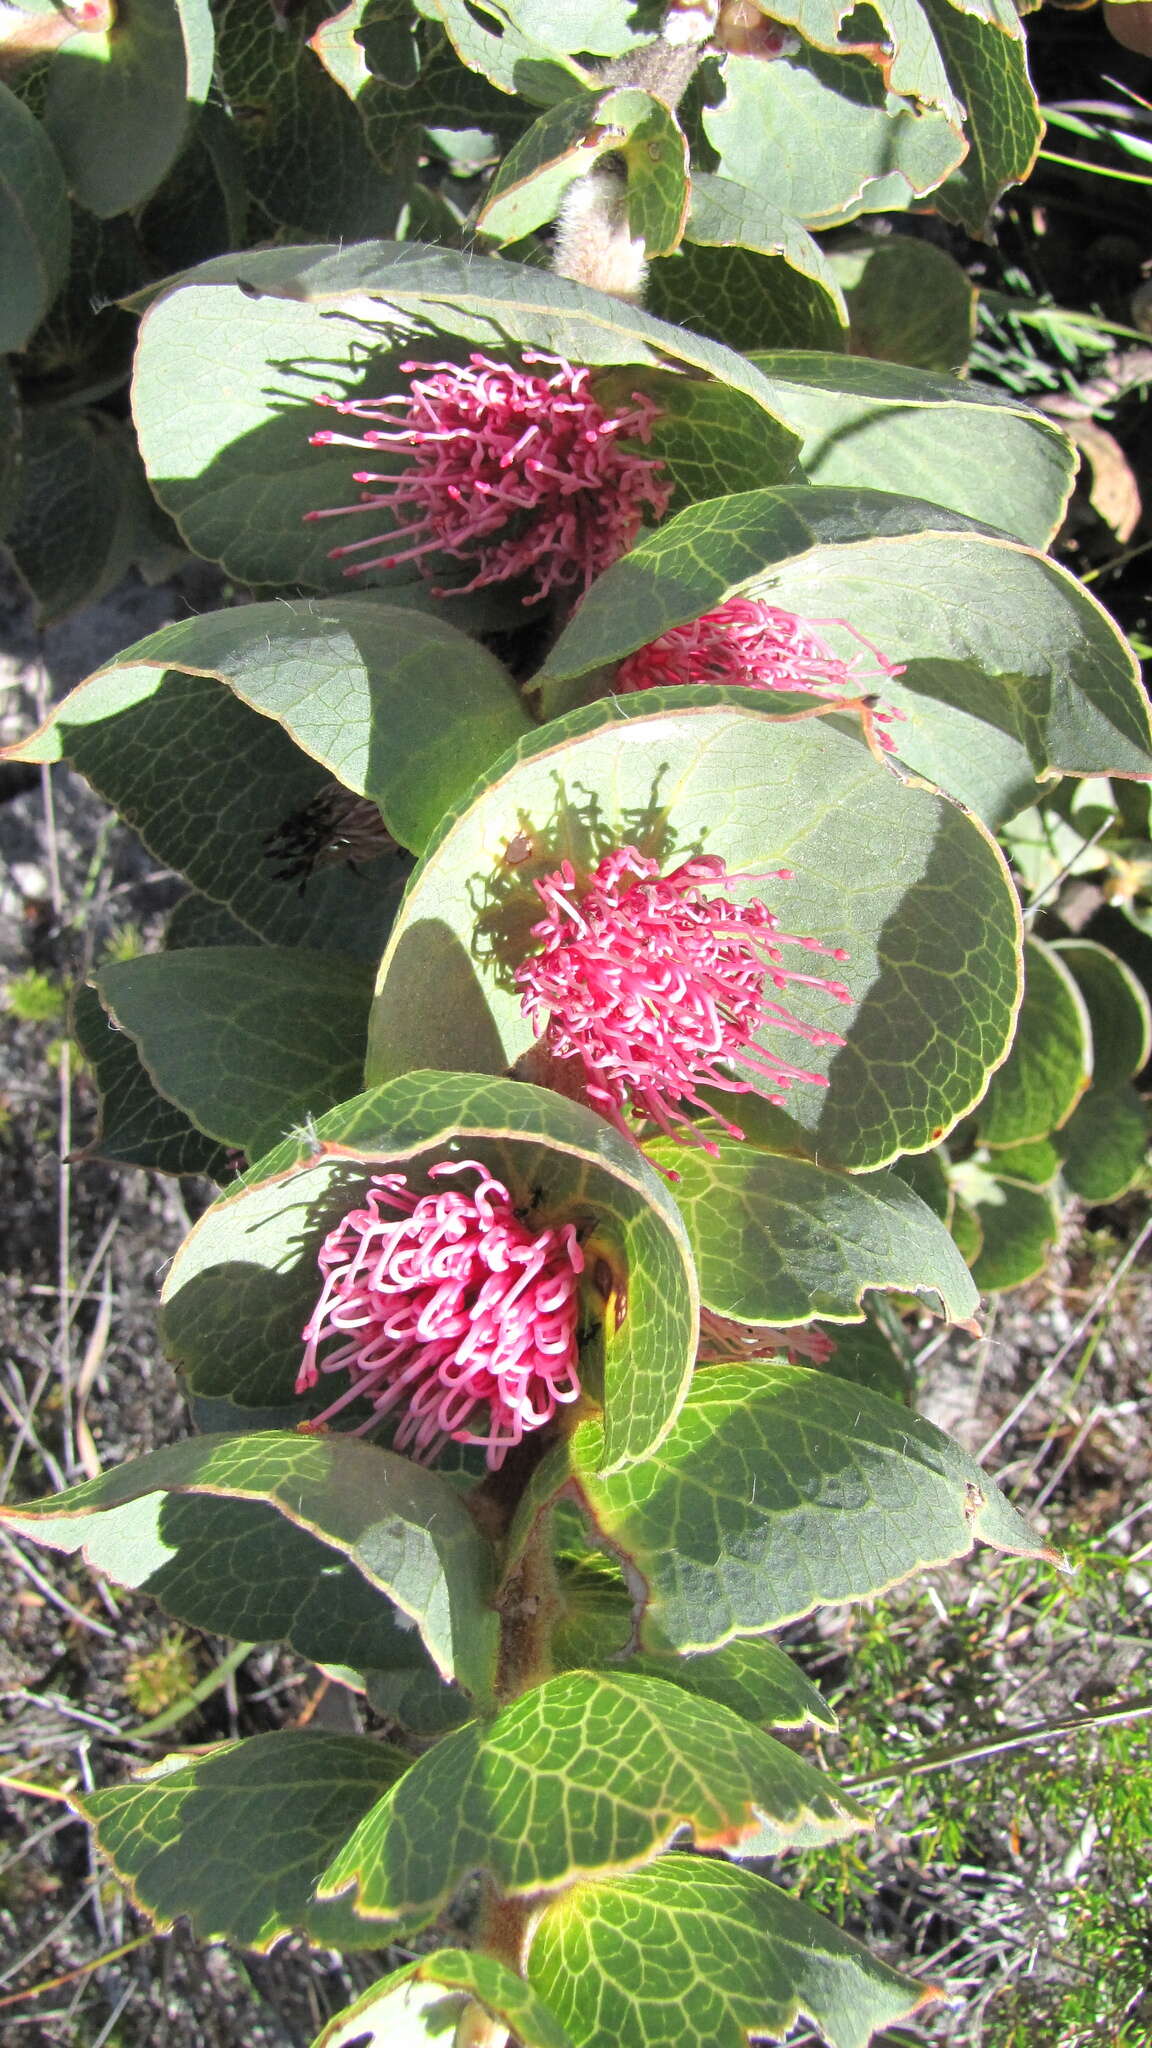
(754, 646)
(515, 475)
(452, 1307)
(723, 1340)
(656, 983)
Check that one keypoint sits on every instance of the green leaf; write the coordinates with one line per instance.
(757, 1679)
(35, 224)
(243, 1284)
(410, 2006)
(908, 302)
(212, 786)
(1050, 1063)
(403, 1531)
(1011, 670)
(738, 1959)
(1118, 1008)
(988, 65)
(400, 706)
(234, 1841)
(564, 144)
(1036, 1161)
(711, 439)
(137, 1126)
(247, 1040)
(197, 921)
(976, 449)
(907, 56)
(587, 1772)
(74, 527)
(779, 1490)
(119, 99)
(824, 137)
(933, 997)
(11, 447)
(748, 275)
(1017, 1225)
(306, 157)
(520, 51)
(655, 153)
(233, 465)
(1104, 1145)
(781, 1241)
(529, 186)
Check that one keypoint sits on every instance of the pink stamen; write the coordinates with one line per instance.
(755, 646)
(657, 988)
(454, 1306)
(558, 515)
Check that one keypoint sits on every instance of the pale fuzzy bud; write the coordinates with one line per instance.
(594, 245)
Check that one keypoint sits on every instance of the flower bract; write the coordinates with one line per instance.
(659, 985)
(516, 473)
(449, 1307)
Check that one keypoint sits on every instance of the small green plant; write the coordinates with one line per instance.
(155, 1679)
(34, 998)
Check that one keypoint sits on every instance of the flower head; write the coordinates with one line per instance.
(451, 1308)
(754, 646)
(514, 474)
(657, 984)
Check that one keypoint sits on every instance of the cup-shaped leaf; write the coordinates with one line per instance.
(913, 889)
(37, 229)
(609, 1767)
(1011, 670)
(244, 1283)
(246, 1040)
(250, 798)
(233, 464)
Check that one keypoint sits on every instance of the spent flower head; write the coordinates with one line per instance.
(515, 474)
(756, 646)
(658, 985)
(448, 1307)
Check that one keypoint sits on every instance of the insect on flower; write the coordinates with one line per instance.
(657, 984)
(514, 474)
(451, 1307)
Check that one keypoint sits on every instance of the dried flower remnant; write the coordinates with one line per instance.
(750, 645)
(450, 1308)
(515, 475)
(656, 984)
